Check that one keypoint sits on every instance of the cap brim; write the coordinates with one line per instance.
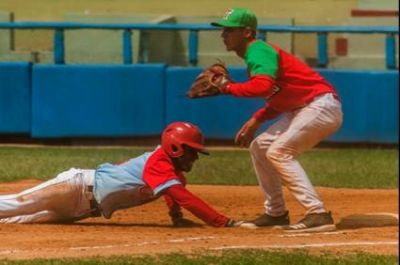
(216, 24)
(200, 149)
(204, 152)
(225, 24)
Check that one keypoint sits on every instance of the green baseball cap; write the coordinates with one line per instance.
(237, 18)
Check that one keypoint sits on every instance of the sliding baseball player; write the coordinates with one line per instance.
(77, 194)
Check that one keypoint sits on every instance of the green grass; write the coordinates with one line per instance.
(356, 168)
(231, 257)
(352, 167)
(43, 163)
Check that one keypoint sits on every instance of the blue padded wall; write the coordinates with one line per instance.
(15, 97)
(138, 100)
(97, 100)
(370, 101)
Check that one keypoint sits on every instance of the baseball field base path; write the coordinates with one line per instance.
(367, 221)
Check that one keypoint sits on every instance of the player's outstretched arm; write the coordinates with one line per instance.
(184, 198)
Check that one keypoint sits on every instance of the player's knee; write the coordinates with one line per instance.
(255, 148)
(278, 155)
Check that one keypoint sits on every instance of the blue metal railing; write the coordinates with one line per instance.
(321, 31)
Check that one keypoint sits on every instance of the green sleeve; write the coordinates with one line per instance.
(261, 59)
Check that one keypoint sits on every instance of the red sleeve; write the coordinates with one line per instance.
(265, 113)
(195, 205)
(174, 208)
(257, 86)
(159, 171)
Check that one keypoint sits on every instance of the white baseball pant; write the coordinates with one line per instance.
(61, 199)
(274, 153)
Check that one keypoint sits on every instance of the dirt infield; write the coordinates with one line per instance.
(146, 229)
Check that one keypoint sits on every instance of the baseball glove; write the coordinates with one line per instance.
(210, 82)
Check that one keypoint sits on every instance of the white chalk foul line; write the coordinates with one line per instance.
(155, 242)
(99, 247)
(320, 245)
(178, 240)
(7, 252)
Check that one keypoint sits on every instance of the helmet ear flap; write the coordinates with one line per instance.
(176, 150)
(171, 144)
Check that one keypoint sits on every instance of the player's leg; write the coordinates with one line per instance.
(60, 199)
(308, 127)
(268, 178)
(38, 217)
(15, 207)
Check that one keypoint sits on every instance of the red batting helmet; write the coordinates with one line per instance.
(182, 133)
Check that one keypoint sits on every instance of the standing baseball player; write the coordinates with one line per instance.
(77, 194)
(308, 108)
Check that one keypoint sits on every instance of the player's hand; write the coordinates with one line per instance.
(183, 222)
(246, 133)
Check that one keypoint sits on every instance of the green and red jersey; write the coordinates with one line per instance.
(283, 80)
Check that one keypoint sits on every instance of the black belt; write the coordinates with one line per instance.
(94, 206)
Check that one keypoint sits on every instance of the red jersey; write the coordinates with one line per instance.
(161, 176)
(286, 82)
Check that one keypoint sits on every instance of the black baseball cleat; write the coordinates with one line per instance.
(313, 222)
(266, 220)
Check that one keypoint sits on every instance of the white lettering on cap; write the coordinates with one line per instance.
(227, 14)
